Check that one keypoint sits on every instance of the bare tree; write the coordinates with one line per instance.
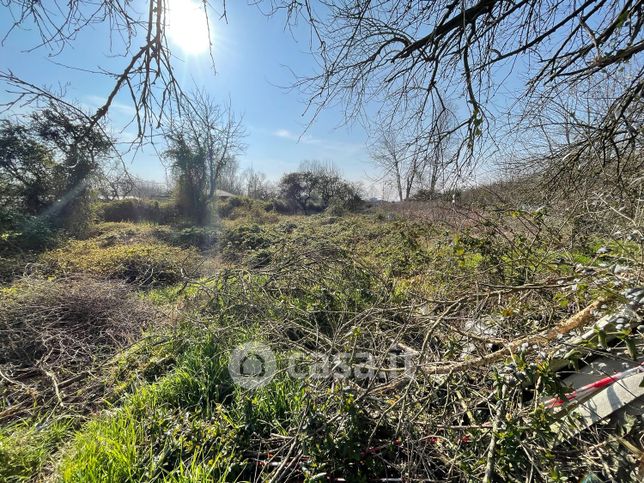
(412, 57)
(202, 143)
(255, 184)
(115, 184)
(437, 151)
(578, 143)
(213, 130)
(397, 161)
(410, 161)
(149, 189)
(139, 37)
(230, 179)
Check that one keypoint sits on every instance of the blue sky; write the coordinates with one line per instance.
(251, 54)
(256, 59)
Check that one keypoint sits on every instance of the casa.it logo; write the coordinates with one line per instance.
(252, 365)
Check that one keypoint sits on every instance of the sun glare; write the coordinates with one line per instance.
(188, 27)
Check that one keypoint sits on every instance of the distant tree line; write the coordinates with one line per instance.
(53, 165)
(413, 59)
(316, 187)
(203, 146)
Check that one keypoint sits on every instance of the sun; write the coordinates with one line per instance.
(188, 26)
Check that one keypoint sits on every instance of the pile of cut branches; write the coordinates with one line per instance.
(56, 332)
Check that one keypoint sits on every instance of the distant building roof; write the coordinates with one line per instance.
(223, 194)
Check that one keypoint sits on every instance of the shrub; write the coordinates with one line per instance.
(226, 207)
(44, 173)
(145, 264)
(194, 236)
(282, 207)
(337, 209)
(241, 207)
(137, 210)
(24, 232)
(244, 238)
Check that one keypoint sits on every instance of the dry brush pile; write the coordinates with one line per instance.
(56, 333)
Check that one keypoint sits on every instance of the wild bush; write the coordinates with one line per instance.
(246, 208)
(25, 232)
(22, 237)
(242, 238)
(298, 283)
(226, 206)
(282, 207)
(136, 210)
(400, 252)
(194, 236)
(315, 187)
(107, 234)
(47, 164)
(143, 264)
(56, 332)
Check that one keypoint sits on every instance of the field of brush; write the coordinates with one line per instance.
(114, 362)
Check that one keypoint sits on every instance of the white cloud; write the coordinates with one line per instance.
(303, 138)
(284, 133)
(95, 102)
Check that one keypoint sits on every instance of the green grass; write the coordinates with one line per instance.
(26, 447)
(191, 425)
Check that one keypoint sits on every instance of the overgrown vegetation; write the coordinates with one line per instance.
(58, 335)
(45, 170)
(416, 340)
(137, 210)
(372, 288)
(138, 263)
(205, 331)
(316, 187)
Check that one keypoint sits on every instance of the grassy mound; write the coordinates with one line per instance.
(110, 233)
(144, 264)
